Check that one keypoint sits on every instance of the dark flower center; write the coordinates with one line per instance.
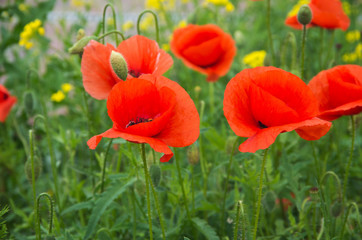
(261, 125)
(138, 120)
(134, 73)
(5, 96)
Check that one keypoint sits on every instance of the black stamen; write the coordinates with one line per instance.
(134, 73)
(261, 125)
(5, 96)
(138, 120)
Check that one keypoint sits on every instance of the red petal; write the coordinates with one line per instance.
(97, 73)
(5, 104)
(157, 145)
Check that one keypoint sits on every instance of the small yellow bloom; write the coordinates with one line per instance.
(41, 31)
(166, 47)
(353, 36)
(58, 96)
(146, 22)
(229, 7)
(296, 7)
(30, 30)
(255, 59)
(182, 24)
(23, 7)
(110, 21)
(218, 2)
(346, 7)
(78, 3)
(66, 87)
(358, 50)
(185, 1)
(28, 45)
(127, 26)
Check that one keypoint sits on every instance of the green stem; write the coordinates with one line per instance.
(222, 223)
(302, 55)
(192, 187)
(203, 161)
(182, 185)
(51, 212)
(31, 143)
(346, 217)
(156, 23)
(105, 163)
(119, 160)
(259, 194)
(349, 161)
(239, 209)
(159, 212)
(316, 162)
(321, 49)
(270, 37)
(111, 32)
(330, 49)
(211, 94)
(114, 20)
(143, 153)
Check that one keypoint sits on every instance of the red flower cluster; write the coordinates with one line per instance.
(325, 14)
(6, 103)
(206, 49)
(262, 102)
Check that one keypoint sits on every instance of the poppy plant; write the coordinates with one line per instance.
(6, 103)
(325, 14)
(151, 109)
(143, 56)
(260, 103)
(206, 49)
(339, 91)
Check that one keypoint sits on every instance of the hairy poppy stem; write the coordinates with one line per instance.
(105, 163)
(259, 194)
(143, 154)
(270, 37)
(222, 222)
(51, 211)
(302, 55)
(111, 32)
(240, 211)
(349, 161)
(182, 185)
(346, 217)
(31, 143)
(114, 20)
(156, 23)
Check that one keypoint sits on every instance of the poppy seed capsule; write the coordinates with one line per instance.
(155, 173)
(37, 168)
(119, 65)
(304, 16)
(77, 48)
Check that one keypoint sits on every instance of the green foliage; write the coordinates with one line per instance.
(3, 229)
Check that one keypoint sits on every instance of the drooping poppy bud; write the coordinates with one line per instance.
(304, 15)
(77, 48)
(119, 65)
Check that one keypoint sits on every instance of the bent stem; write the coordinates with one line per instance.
(114, 20)
(182, 185)
(143, 154)
(111, 32)
(105, 163)
(156, 23)
(349, 161)
(222, 223)
(270, 37)
(346, 217)
(51, 212)
(302, 55)
(259, 194)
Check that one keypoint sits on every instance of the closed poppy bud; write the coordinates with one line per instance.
(304, 15)
(119, 65)
(77, 48)
(37, 168)
(29, 102)
(193, 155)
(155, 173)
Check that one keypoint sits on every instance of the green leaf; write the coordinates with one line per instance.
(101, 205)
(78, 206)
(203, 227)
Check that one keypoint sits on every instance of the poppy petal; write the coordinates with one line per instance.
(97, 73)
(156, 144)
(6, 103)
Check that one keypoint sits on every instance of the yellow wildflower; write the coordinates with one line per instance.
(229, 7)
(166, 47)
(110, 21)
(28, 45)
(66, 87)
(41, 31)
(58, 96)
(218, 2)
(127, 26)
(346, 7)
(185, 1)
(78, 3)
(23, 7)
(358, 50)
(296, 7)
(181, 24)
(353, 36)
(255, 59)
(146, 22)
(30, 31)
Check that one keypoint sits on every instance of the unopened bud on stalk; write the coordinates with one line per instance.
(304, 15)
(37, 168)
(119, 65)
(77, 48)
(193, 155)
(155, 173)
(29, 102)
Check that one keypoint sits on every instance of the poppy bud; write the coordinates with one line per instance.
(119, 65)
(304, 16)
(77, 48)
(29, 102)
(155, 173)
(37, 168)
(193, 154)
(269, 200)
(80, 34)
(336, 209)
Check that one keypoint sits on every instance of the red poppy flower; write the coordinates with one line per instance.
(142, 55)
(339, 91)
(6, 102)
(154, 110)
(325, 14)
(206, 49)
(260, 103)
